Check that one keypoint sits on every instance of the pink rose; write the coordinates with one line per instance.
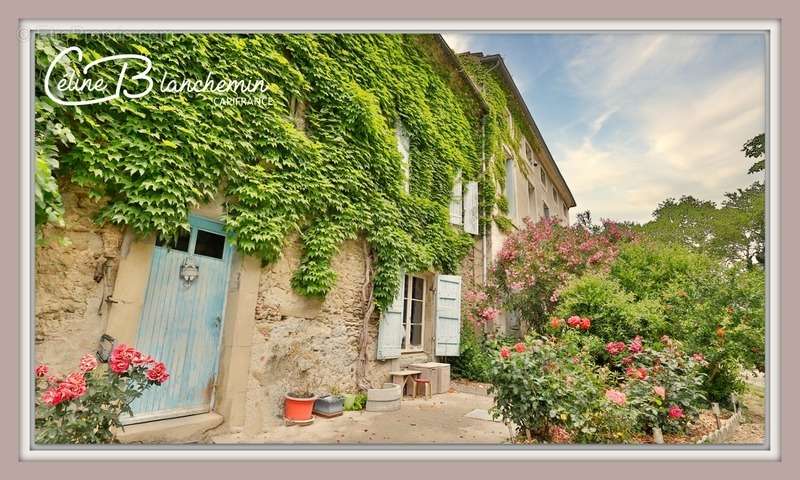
(53, 396)
(74, 385)
(675, 412)
(660, 391)
(158, 373)
(520, 347)
(615, 348)
(505, 352)
(42, 370)
(636, 345)
(615, 396)
(88, 363)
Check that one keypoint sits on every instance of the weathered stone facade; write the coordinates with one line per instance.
(75, 271)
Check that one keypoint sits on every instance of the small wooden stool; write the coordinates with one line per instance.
(426, 384)
(403, 378)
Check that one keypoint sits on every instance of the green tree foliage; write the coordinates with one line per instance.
(754, 148)
(150, 160)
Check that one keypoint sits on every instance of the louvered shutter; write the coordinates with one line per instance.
(390, 328)
(448, 315)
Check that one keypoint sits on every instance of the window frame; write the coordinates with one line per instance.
(532, 201)
(408, 286)
(546, 212)
(510, 190)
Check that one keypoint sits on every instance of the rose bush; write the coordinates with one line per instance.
(85, 405)
(551, 390)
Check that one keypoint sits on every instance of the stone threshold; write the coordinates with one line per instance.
(182, 430)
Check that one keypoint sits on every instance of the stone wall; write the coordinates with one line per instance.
(301, 343)
(75, 268)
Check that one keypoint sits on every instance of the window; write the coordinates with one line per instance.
(510, 123)
(209, 244)
(404, 147)
(297, 112)
(546, 211)
(529, 155)
(555, 195)
(509, 191)
(181, 242)
(544, 178)
(413, 313)
(532, 202)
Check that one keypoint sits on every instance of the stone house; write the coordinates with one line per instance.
(247, 337)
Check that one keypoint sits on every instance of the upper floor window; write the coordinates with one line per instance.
(529, 155)
(546, 211)
(404, 147)
(509, 190)
(532, 202)
(510, 123)
(543, 176)
(456, 201)
(555, 195)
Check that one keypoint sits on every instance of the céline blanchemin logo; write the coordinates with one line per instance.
(134, 69)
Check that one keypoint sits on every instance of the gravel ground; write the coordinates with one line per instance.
(751, 429)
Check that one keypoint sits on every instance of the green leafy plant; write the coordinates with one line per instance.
(85, 406)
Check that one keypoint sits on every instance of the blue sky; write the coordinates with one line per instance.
(634, 118)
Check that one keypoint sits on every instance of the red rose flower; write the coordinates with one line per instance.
(585, 324)
(158, 373)
(555, 323)
(505, 352)
(675, 412)
(42, 370)
(53, 396)
(121, 358)
(520, 347)
(574, 321)
(636, 345)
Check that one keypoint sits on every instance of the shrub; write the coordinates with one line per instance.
(663, 386)
(477, 352)
(84, 406)
(613, 311)
(550, 388)
(537, 261)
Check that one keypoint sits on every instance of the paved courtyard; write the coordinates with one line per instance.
(441, 419)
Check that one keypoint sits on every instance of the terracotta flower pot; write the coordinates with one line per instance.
(298, 408)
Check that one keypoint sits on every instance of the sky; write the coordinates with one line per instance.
(634, 118)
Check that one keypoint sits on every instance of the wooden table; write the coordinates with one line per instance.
(401, 377)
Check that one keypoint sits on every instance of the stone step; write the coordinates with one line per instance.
(190, 429)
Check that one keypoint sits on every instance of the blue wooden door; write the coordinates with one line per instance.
(181, 320)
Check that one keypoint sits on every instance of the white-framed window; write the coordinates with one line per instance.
(511, 131)
(404, 147)
(413, 314)
(546, 211)
(555, 195)
(529, 154)
(532, 201)
(543, 176)
(510, 193)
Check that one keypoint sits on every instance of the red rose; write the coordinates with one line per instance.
(627, 360)
(505, 352)
(42, 370)
(158, 373)
(636, 345)
(53, 396)
(675, 412)
(121, 358)
(555, 323)
(585, 324)
(520, 347)
(574, 321)
(74, 385)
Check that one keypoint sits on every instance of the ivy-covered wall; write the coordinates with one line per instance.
(147, 161)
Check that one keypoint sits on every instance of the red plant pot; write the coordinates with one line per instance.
(298, 409)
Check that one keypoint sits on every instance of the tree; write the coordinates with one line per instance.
(754, 148)
(688, 222)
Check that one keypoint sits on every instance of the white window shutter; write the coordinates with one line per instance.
(471, 208)
(448, 315)
(456, 202)
(390, 328)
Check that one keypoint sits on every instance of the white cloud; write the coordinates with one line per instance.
(459, 42)
(678, 131)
